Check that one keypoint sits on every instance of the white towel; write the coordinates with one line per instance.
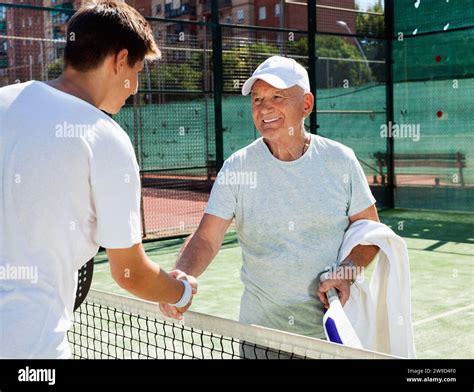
(380, 312)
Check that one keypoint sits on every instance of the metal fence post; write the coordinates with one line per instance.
(218, 83)
(312, 59)
(389, 35)
(137, 143)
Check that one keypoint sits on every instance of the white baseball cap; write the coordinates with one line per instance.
(280, 72)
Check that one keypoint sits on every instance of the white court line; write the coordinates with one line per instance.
(441, 315)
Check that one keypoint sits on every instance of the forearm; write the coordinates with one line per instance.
(147, 281)
(362, 255)
(195, 256)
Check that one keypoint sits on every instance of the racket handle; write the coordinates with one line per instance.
(332, 295)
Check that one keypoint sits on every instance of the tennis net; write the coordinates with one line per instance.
(110, 326)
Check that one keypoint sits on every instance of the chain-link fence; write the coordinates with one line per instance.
(189, 114)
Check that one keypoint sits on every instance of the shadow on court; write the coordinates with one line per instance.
(441, 227)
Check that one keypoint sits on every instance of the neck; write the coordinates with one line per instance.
(290, 148)
(87, 86)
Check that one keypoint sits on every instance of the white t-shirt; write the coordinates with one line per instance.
(69, 183)
(290, 219)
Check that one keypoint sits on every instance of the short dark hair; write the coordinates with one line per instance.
(105, 27)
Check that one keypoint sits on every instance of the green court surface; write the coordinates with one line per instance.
(441, 250)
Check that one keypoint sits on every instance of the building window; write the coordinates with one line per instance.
(240, 16)
(277, 9)
(228, 19)
(158, 8)
(262, 13)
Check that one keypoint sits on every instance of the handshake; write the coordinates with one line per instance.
(190, 290)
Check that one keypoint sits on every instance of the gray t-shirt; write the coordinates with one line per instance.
(290, 219)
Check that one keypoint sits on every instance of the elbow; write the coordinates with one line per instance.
(124, 279)
(129, 267)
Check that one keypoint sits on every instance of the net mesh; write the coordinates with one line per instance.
(108, 326)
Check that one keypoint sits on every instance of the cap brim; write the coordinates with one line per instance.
(273, 80)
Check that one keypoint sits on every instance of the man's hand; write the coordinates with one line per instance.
(172, 311)
(343, 287)
(360, 256)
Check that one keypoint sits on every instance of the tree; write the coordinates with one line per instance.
(54, 68)
(332, 69)
(186, 76)
(373, 26)
(370, 24)
(239, 62)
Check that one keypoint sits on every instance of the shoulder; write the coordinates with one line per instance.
(245, 155)
(109, 141)
(10, 93)
(15, 88)
(108, 128)
(331, 146)
(332, 150)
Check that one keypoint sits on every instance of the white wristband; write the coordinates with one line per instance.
(187, 294)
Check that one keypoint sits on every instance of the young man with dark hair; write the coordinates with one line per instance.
(70, 183)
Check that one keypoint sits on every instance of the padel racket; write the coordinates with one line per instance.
(337, 327)
(84, 280)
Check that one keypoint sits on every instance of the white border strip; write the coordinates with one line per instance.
(442, 315)
(277, 340)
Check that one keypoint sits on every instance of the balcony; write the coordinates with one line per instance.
(184, 9)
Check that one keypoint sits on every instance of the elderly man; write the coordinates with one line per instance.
(290, 219)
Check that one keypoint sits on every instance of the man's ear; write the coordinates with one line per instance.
(308, 104)
(120, 60)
